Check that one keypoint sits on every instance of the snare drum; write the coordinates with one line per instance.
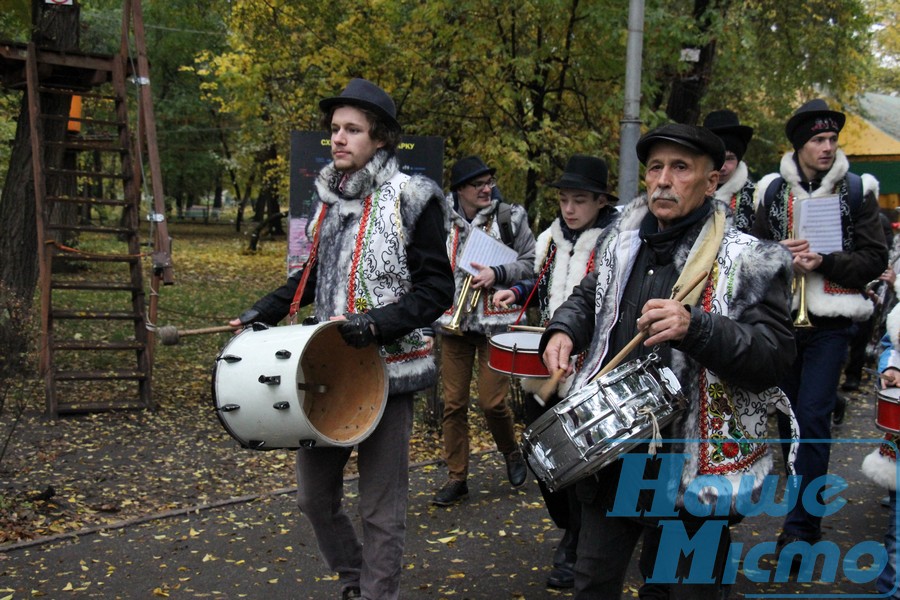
(298, 386)
(516, 353)
(887, 411)
(592, 427)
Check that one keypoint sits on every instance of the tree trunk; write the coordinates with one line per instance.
(54, 28)
(689, 88)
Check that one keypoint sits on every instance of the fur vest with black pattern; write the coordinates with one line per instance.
(369, 223)
(722, 423)
(738, 193)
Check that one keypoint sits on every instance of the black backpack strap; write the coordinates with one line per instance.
(504, 221)
(854, 191)
(772, 191)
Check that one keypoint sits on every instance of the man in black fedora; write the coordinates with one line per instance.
(475, 203)
(564, 256)
(736, 188)
(664, 240)
(830, 283)
(384, 288)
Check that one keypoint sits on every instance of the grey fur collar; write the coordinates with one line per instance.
(359, 184)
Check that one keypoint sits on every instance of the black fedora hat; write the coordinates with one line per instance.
(726, 125)
(585, 173)
(811, 118)
(365, 94)
(468, 168)
(698, 139)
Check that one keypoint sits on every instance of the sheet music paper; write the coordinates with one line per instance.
(819, 223)
(484, 250)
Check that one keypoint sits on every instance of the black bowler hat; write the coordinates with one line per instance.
(698, 139)
(725, 124)
(585, 173)
(365, 94)
(811, 119)
(468, 168)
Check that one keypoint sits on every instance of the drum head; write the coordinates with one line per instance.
(524, 341)
(355, 384)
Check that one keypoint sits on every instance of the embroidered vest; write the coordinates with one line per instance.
(378, 275)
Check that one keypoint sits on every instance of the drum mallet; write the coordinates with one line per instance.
(169, 335)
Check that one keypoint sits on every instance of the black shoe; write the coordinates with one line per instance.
(562, 576)
(516, 469)
(840, 409)
(851, 384)
(452, 492)
(566, 550)
(350, 593)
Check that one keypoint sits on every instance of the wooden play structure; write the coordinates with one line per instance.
(95, 284)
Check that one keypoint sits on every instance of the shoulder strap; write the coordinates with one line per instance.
(772, 191)
(855, 191)
(504, 221)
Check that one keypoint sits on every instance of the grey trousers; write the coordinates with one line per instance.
(375, 562)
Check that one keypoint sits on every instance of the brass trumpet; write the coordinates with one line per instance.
(468, 300)
(802, 319)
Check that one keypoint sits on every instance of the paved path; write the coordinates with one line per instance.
(494, 546)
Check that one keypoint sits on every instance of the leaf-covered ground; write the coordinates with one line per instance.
(77, 472)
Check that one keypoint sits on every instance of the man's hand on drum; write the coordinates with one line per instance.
(358, 329)
(663, 321)
(557, 352)
(503, 298)
(485, 278)
(890, 377)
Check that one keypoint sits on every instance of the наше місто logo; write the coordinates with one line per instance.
(693, 516)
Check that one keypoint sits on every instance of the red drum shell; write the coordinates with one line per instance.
(887, 411)
(516, 353)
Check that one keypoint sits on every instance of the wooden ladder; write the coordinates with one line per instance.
(94, 347)
(94, 321)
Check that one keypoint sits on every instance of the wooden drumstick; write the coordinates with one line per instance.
(169, 335)
(548, 387)
(637, 339)
(526, 328)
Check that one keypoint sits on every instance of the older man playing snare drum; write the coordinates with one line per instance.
(728, 341)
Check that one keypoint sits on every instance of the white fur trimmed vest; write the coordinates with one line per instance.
(823, 297)
(362, 254)
(564, 269)
(738, 193)
(728, 420)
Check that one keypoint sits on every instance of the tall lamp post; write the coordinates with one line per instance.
(630, 125)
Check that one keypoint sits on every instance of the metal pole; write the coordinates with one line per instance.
(630, 125)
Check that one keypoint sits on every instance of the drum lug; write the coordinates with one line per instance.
(228, 407)
(270, 379)
(310, 321)
(283, 354)
(230, 358)
(257, 326)
(307, 443)
(281, 405)
(255, 444)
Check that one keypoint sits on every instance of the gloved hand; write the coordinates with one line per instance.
(358, 330)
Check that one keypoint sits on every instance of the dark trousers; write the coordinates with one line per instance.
(811, 387)
(604, 553)
(562, 505)
(861, 333)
